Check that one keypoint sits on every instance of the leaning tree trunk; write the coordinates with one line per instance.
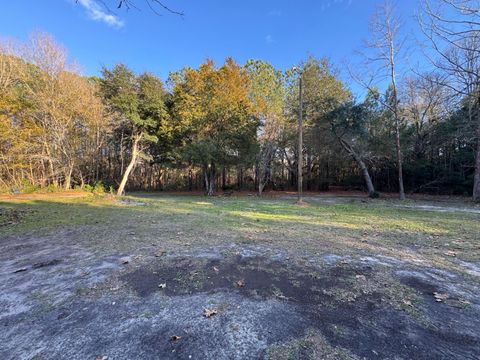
(130, 166)
(367, 178)
(361, 164)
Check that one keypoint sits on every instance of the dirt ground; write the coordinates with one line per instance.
(153, 278)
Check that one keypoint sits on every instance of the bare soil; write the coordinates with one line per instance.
(65, 296)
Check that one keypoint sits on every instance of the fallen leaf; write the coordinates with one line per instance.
(240, 283)
(361, 277)
(408, 302)
(160, 253)
(216, 269)
(209, 312)
(450, 253)
(175, 338)
(101, 358)
(20, 270)
(439, 297)
(162, 286)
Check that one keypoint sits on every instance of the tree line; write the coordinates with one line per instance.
(235, 126)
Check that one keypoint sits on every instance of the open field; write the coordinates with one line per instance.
(341, 278)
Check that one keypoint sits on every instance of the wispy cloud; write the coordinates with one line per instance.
(269, 39)
(95, 12)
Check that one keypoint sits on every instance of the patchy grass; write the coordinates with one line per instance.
(351, 279)
(312, 346)
(438, 238)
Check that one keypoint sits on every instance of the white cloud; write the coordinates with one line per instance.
(96, 13)
(269, 39)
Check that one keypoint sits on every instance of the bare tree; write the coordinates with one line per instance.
(154, 5)
(48, 128)
(424, 103)
(453, 30)
(384, 49)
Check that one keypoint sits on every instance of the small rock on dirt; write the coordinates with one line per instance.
(439, 297)
(125, 260)
(209, 312)
(160, 253)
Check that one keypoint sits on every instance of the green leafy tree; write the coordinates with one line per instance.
(267, 91)
(213, 109)
(349, 124)
(139, 105)
(323, 91)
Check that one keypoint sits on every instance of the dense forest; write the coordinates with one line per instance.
(230, 126)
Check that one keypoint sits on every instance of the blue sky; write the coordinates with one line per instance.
(282, 32)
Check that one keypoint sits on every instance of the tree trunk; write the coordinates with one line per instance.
(68, 177)
(190, 179)
(224, 178)
(121, 154)
(130, 166)
(476, 179)
(361, 164)
(367, 178)
(401, 189)
(240, 178)
(261, 185)
(209, 173)
(213, 174)
(50, 166)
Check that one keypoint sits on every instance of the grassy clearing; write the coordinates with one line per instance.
(130, 223)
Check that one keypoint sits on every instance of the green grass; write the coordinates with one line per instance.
(177, 221)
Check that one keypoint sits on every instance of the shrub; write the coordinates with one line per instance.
(99, 188)
(51, 188)
(28, 188)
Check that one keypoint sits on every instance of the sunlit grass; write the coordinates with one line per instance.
(173, 221)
